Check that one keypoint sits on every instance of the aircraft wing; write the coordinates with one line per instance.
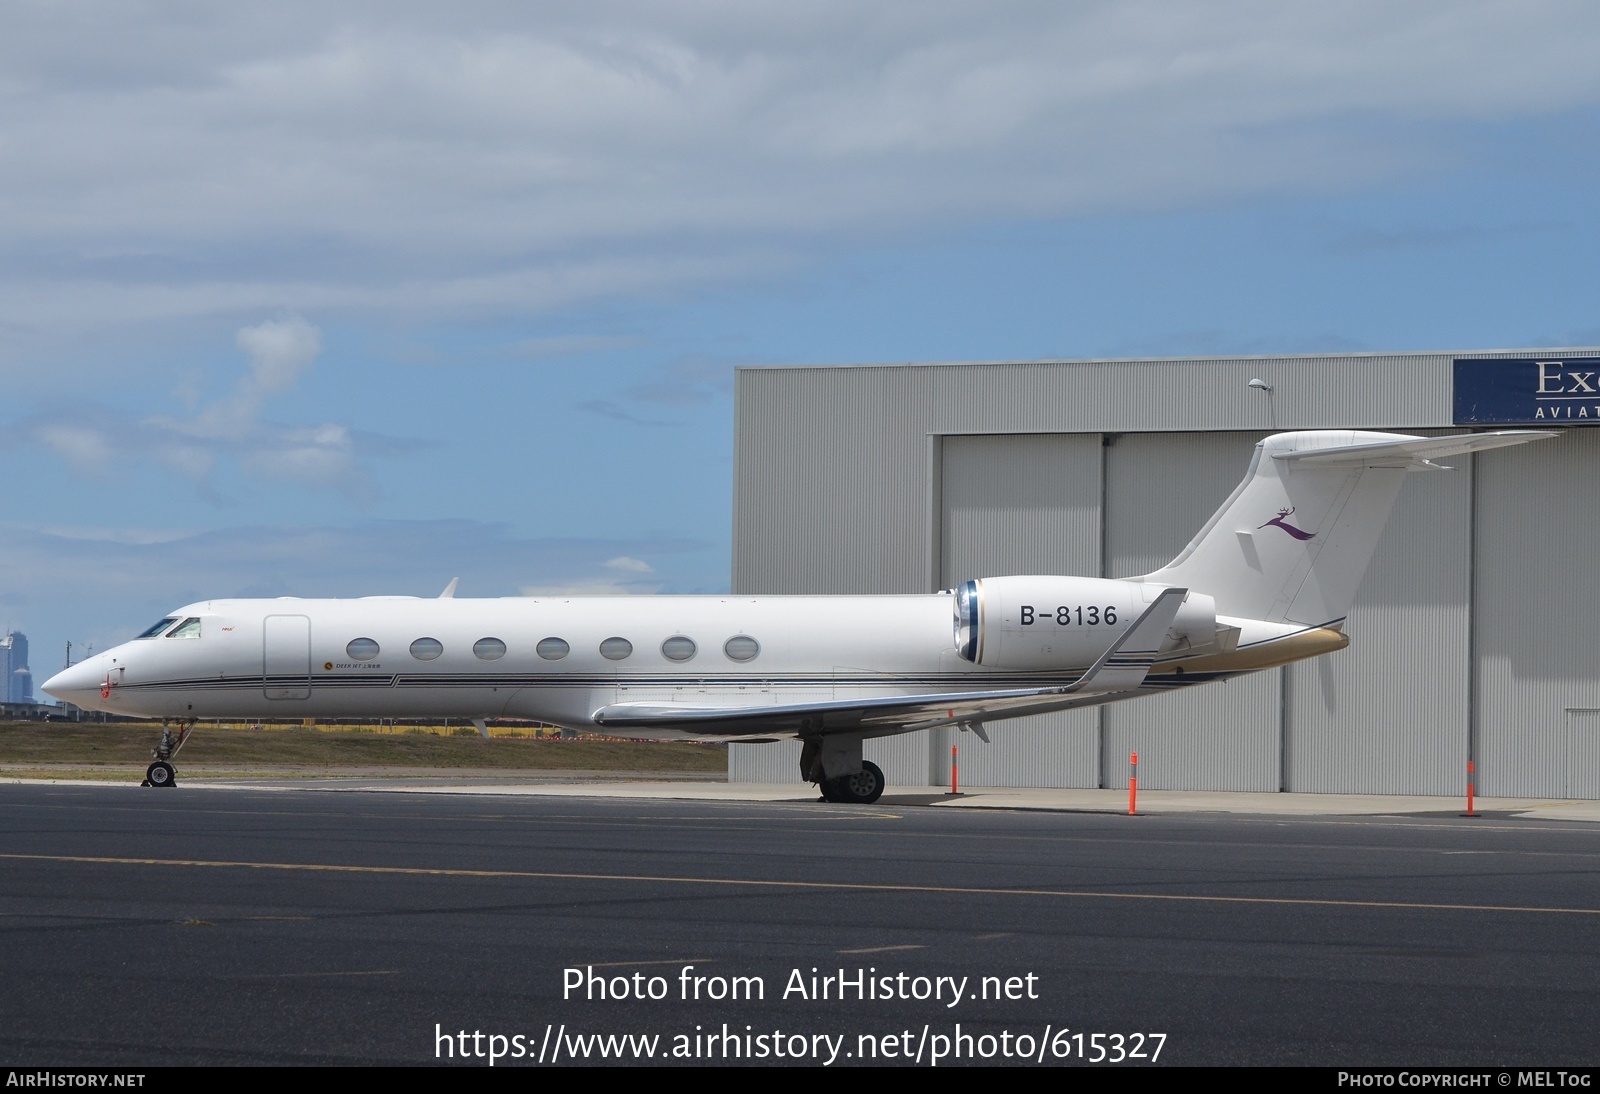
(1119, 670)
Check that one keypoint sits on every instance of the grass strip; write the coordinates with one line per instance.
(89, 744)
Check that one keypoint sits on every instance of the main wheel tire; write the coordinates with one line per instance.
(161, 773)
(863, 788)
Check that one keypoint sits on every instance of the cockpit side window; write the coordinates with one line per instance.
(190, 628)
(159, 627)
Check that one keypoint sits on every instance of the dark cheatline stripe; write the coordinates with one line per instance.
(932, 681)
(966, 682)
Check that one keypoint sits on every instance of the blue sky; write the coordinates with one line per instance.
(349, 298)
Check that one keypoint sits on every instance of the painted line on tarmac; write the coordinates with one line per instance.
(631, 964)
(834, 886)
(317, 975)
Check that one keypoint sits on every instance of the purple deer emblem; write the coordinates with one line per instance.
(1279, 522)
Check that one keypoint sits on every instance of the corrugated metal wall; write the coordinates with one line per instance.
(1389, 714)
(1474, 628)
(1536, 609)
(832, 465)
(1021, 504)
(1161, 488)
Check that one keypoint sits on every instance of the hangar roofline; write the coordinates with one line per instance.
(1507, 351)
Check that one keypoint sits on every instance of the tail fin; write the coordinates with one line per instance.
(1294, 540)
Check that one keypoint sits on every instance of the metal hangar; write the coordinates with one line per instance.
(1474, 636)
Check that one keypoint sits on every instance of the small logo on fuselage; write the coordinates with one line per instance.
(1279, 521)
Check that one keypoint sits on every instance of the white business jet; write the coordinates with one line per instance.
(1267, 581)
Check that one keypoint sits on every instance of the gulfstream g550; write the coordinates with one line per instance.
(1267, 581)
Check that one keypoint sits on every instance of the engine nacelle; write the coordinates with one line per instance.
(1047, 622)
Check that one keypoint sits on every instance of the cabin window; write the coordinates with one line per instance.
(741, 647)
(553, 649)
(489, 649)
(678, 648)
(615, 649)
(426, 649)
(362, 649)
(159, 627)
(189, 628)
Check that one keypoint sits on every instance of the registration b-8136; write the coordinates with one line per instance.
(1068, 615)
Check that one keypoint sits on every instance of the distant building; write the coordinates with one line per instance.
(16, 682)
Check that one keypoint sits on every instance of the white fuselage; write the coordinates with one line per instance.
(292, 658)
(561, 660)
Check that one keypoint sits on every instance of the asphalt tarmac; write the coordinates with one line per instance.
(247, 926)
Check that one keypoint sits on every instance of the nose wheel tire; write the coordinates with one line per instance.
(160, 773)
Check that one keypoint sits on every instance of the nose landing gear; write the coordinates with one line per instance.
(162, 773)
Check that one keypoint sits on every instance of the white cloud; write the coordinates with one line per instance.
(400, 157)
(101, 584)
(629, 576)
(375, 557)
(280, 349)
(593, 587)
(230, 428)
(85, 449)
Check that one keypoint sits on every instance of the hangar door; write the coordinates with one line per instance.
(1582, 775)
(1161, 488)
(1021, 504)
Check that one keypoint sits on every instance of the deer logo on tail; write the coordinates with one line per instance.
(1279, 521)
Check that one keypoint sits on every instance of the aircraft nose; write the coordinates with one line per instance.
(78, 684)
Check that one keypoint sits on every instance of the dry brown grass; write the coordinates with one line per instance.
(88, 744)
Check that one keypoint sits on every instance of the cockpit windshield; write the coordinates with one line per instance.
(159, 627)
(190, 628)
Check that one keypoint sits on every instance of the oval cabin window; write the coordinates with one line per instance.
(489, 649)
(615, 649)
(426, 649)
(741, 647)
(553, 649)
(362, 649)
(678, 648)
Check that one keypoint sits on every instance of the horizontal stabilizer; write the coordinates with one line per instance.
(1413, 452)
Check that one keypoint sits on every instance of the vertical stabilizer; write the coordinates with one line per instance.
(1293, 541)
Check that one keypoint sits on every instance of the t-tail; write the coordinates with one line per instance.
(1293, 541)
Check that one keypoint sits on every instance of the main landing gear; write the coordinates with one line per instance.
(863, 788)
(162, 773)
(834, 763)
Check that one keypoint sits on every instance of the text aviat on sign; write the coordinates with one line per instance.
(1522, 391)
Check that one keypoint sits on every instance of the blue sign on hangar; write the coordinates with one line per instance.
(1527, 391)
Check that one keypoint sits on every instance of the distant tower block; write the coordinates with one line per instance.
(16, 682)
